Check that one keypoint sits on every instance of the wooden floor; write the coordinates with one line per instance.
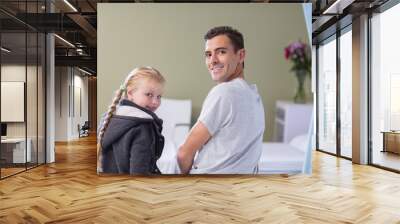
(10, 171)
(387, 159)
(70, 191)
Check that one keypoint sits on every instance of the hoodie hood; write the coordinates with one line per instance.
(127, 116)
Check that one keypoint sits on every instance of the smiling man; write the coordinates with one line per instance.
(227, 138)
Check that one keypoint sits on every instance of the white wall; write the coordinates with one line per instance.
(70, 84)
(80, 108)
(61, 103)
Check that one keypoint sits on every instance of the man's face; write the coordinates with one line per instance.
(221, 60)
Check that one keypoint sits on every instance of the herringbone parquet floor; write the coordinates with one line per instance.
(70, 191)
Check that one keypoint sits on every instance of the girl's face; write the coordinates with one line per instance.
(147, 94)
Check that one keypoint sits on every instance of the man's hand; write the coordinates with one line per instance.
(198, 136)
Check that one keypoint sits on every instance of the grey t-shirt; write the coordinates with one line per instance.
(234, 115)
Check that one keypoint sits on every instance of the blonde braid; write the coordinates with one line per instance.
(110, 113)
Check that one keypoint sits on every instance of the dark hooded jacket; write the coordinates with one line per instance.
(132, 142)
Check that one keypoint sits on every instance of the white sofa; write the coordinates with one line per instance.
(283, 158)
(176, 115)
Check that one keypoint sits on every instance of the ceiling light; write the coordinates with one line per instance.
(338, 6)
(84, 71)
(70, 5)
(65, 41)
(5, 49)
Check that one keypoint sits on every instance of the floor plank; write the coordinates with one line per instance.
(69, 191)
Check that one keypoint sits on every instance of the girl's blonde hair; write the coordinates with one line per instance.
(131, 83)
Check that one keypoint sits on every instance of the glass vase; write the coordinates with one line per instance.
(300, 96)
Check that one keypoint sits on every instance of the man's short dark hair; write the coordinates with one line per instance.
(235, 36)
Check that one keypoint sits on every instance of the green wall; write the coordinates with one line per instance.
(169, 37)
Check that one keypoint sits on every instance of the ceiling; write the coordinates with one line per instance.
(76, 22)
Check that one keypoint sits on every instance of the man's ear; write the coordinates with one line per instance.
(242, 55)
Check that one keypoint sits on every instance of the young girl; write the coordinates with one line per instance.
(130, 139)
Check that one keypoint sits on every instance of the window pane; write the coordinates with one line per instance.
(41, 98)
(327, 97)
(31, 96)
(13, 84)
(386, 89)
(346, 94)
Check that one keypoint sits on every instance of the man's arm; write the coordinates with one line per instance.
(198, 136)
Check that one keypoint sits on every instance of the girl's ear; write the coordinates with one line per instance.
(129, 93)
